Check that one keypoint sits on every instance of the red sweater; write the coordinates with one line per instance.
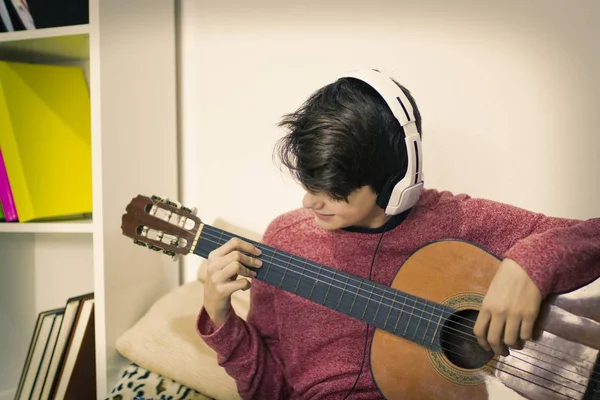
(292, 348)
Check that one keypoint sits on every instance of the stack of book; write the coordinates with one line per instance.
(17, 15)
(61, 361)
(45, 143)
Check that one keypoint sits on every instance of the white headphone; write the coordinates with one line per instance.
(399, 193)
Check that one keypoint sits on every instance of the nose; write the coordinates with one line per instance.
(312, 201)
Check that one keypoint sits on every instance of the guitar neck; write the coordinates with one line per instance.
(399, 313)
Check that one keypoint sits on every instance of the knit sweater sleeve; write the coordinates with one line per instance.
(248, 349)
(559, 254)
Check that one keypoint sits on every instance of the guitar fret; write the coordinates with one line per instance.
(342, 294)
(301, 276)
(368, 301)
(418, 321)
(284, 271)
(426, 327)
(355, 295)
(400, 314)
(269, 265)
(410, 314)
(328, 287)
(379, 303)
(391, 306)
(312, 289)
(437, 326)
(422, 319)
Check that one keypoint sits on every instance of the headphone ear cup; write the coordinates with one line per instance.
(384, 195)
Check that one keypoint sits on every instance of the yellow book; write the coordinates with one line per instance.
(45, 134)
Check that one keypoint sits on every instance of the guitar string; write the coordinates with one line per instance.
(332, 279)
(538, 366)
(402, 297)
(530, 373)
(524, 371)
(386, 291)
(554, 373)
(503, 362)
(420, 317)
(479, 359)
(511, 366)
(384, 288)
(218, 242)
(592, 376)
(591, 364)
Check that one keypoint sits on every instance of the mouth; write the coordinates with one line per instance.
(323, 216)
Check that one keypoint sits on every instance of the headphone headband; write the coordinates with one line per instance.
(400, 192)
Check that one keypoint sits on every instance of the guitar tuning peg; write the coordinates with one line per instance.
(157, 198)
(186, 209)
(169, 253)
(153, 247)
(139, 243)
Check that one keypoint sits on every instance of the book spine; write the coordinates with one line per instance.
(6, 197)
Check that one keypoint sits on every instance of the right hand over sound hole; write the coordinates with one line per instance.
(460, 345)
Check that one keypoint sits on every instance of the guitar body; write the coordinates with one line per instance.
(457, 274)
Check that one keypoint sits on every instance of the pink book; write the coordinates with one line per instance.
(6, 197)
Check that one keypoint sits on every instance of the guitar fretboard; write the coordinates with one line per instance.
(397, 312)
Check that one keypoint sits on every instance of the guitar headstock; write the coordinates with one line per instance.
(161, 225)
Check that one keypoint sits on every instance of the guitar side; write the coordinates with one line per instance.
(555, 365)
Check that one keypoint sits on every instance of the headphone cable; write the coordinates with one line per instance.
(368, 325)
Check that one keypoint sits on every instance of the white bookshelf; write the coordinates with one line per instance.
(128, 51)
(84, 226)
(64, 41)
(32, 37)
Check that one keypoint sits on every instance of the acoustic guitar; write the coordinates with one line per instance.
(423, 346)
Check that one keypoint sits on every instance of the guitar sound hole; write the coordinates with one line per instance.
(459, 343)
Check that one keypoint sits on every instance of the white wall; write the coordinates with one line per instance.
(508, 91)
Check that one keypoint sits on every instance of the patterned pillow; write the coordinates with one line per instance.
(137, 383)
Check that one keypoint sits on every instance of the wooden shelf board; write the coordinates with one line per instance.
(83, 226)
(49, 44)
(44, 33)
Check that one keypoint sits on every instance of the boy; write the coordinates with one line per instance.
(349, 151)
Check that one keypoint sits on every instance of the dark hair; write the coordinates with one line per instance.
(344, 137)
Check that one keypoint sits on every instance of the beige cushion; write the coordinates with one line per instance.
(165, 340)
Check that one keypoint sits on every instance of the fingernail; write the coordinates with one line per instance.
(258, 251)
(258, 262)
